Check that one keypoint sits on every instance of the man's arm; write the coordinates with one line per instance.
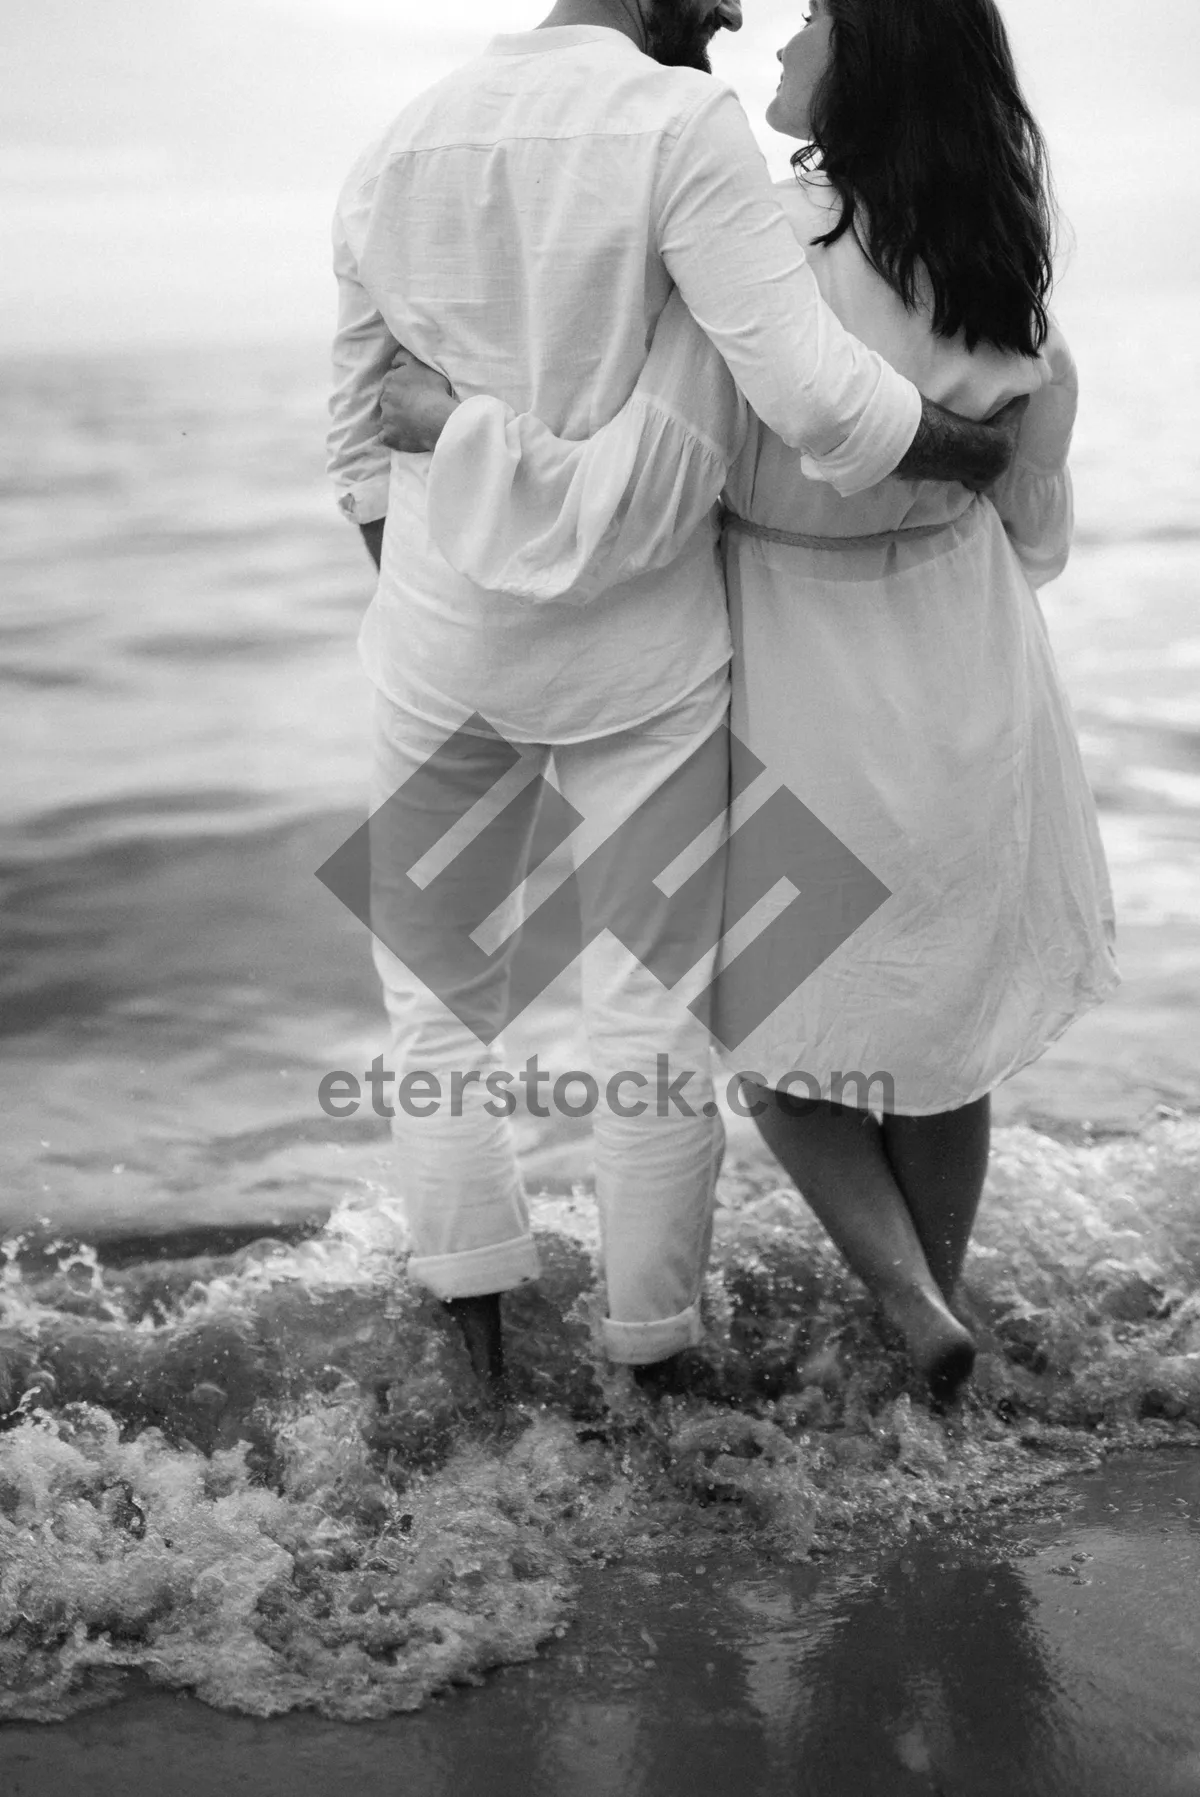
(950, 447)
(747, 282)
(518, 510)
(363, 351)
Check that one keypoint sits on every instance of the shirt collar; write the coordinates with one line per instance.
(555, 37)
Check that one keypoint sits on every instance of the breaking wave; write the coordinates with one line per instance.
(263, 1476)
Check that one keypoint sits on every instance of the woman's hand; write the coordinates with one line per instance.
(415, 402)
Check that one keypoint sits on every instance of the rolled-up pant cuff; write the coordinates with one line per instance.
(641, 1344)
(477, 1270)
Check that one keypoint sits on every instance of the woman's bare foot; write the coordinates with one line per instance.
(942, 1351)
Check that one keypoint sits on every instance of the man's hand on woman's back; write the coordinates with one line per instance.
(947, 447)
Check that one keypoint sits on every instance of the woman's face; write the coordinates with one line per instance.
(804, 61)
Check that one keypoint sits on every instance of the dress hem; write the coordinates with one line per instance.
(984, 1088)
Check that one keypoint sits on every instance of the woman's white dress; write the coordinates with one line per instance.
(904, 689)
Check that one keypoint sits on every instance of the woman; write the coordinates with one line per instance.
(892, 668)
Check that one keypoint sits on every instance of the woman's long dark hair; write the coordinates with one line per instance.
(920, 125)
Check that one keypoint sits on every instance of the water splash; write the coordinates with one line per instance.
(263, 1476)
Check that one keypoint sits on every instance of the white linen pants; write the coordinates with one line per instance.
(633, 802)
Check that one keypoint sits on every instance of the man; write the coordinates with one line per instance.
(520, 228)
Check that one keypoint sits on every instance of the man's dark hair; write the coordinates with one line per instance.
(920, 125)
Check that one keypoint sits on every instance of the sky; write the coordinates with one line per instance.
(168, 167)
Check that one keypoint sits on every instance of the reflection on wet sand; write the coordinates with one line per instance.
(931, 1668)
(877, 1680)
(950, 1665)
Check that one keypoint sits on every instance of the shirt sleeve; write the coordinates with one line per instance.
(359, 463)
(518, 510)
(733, 256)
(1035, 499)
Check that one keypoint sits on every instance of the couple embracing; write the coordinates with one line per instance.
(565, 272)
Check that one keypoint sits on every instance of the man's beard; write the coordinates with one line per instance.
(677, 41)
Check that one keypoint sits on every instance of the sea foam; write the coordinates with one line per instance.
(264, 1477)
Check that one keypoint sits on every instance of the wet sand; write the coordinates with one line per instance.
(1054, 1655)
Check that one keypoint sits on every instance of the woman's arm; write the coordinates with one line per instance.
(1034, 498)
(518, 510)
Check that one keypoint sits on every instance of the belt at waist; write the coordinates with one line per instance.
(794, 539)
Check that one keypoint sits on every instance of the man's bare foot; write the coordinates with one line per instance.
(686, 1374)
(479, 1321)
(942, 1351)
(659, 1378)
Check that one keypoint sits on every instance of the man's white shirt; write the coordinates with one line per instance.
(520, 227)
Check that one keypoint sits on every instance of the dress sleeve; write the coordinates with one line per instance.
(359, 463)
(734, 258)
(518, 510)
(1034, 499)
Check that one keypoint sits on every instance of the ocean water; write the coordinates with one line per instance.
(250, 1466)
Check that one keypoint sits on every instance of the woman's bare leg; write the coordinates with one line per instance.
(835, 1156)
(940, 1164)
